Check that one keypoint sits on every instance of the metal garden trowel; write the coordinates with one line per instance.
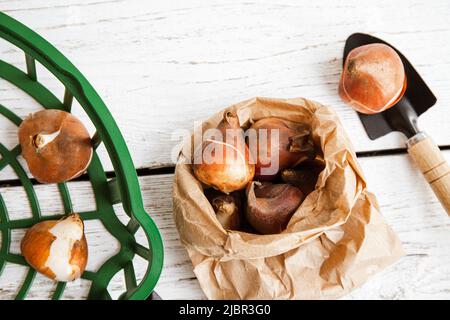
(402, 117)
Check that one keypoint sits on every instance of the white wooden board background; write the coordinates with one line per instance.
(161, 65)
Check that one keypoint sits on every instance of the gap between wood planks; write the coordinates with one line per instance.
(390, 152)
(170, 169)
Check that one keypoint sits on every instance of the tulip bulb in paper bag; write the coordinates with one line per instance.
(229, 168)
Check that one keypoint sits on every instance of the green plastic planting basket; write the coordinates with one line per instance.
(123, 188)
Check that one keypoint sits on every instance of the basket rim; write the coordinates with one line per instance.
(42, 51)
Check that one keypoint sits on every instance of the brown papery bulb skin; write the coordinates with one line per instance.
(57, 248)
(271, 206)
(294, 146)
(373, 78)
(228, 208)
(56, 146)
(235, 170)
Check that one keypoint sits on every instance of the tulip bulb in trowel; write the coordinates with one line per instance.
(401, 115)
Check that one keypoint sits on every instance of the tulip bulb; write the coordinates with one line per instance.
(232, 170)
(294, 145)
(271, 206)
(227, 208)
(373, 78)
(56, 146)
(57, 249)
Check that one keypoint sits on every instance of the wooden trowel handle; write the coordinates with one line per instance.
(431, 162)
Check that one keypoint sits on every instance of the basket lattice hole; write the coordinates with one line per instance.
(102, 245)
(17, 101)
(78, 111)
(120, 213)
(141, 238)
(16, 238)
(24, 166)
(77, 290)
(17, 202)
(82, 196)
(12, 54)
(104, 157)
(49, 200)
(140, 267)
(42, 288)
(48, 80)
(117, 285)
(11, 279)
(7, 176)
(8, 132)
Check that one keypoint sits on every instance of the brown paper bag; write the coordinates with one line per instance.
(335, 240)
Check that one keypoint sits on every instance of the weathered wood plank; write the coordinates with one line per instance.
(405, 199)
(160, 66)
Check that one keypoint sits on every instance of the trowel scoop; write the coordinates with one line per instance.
(402, 117)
